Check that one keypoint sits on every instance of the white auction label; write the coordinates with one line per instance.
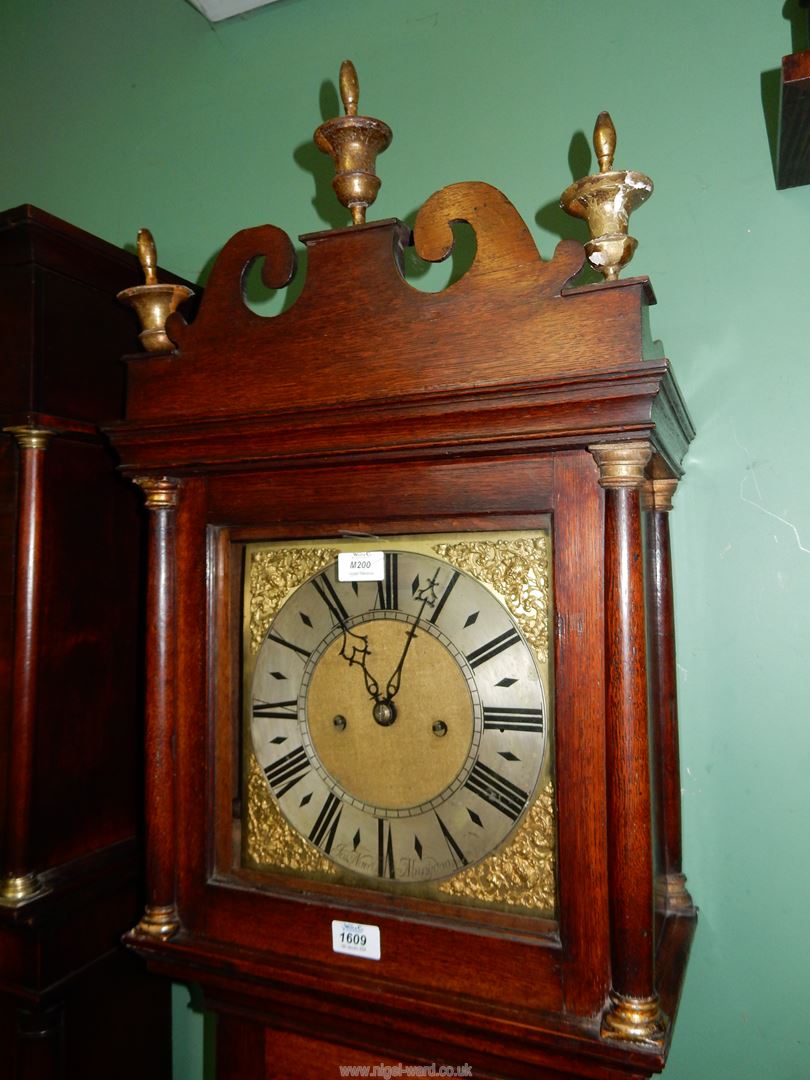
(361, 566)
(356, 939)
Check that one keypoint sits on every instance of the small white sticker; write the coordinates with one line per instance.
(356, 939)
(361, 566)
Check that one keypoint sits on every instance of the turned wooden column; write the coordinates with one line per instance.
(671, 893)
(633, 1012)
(160, 917)
(19, 882)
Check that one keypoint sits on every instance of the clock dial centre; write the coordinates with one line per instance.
(388, 755)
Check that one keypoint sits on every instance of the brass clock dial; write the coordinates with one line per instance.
(400, 723)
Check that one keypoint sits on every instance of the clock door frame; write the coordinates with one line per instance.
(215, 513)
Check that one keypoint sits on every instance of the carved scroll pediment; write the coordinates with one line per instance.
(503, 240)
(503, 244)
(359, 331)
(224, 299)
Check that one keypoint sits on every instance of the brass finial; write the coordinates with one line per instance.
(353, 142)
(147, 255)
(604, 141)
(349, 88)
(152, 301)
(606, 200)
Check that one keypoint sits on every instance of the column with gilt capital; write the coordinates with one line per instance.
(670, 886)
(19, 882)
(634, 1013)
(160, 917)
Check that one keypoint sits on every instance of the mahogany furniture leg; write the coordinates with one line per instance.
(19, 881)
(160, 915)
(671, 891)
(634, 1013)
(40, 1045)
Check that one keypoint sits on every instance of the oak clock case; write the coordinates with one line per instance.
(481, 769)
(400, 722)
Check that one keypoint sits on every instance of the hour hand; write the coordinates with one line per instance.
(354, 650)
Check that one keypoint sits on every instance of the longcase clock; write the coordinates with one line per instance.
(412, 789)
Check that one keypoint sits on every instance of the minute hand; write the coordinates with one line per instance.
(428, 600)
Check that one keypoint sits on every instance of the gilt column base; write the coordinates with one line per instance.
(157, 922)
(637, 1020)
(671, 894)
(16, 889)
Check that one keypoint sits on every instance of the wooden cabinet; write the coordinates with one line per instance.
(72, 1001)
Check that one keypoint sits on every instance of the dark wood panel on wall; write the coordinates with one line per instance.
(793, 139)
(71, 536)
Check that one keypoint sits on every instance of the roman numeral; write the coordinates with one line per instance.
(275, 710)
(287, 771)
(451, 841)
(326, 590)
(443, 598)
(501, 794)
(493, 648)
(513, 719)
(388, 590)
(385, 850)
(279, 640)
(325, 827)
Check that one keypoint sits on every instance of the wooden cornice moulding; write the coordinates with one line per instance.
(560, 413)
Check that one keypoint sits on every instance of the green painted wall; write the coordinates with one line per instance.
(119, 113)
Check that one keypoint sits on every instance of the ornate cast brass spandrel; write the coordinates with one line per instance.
(518, 571)
(521, 874)
(270, 841)
(272, 576)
